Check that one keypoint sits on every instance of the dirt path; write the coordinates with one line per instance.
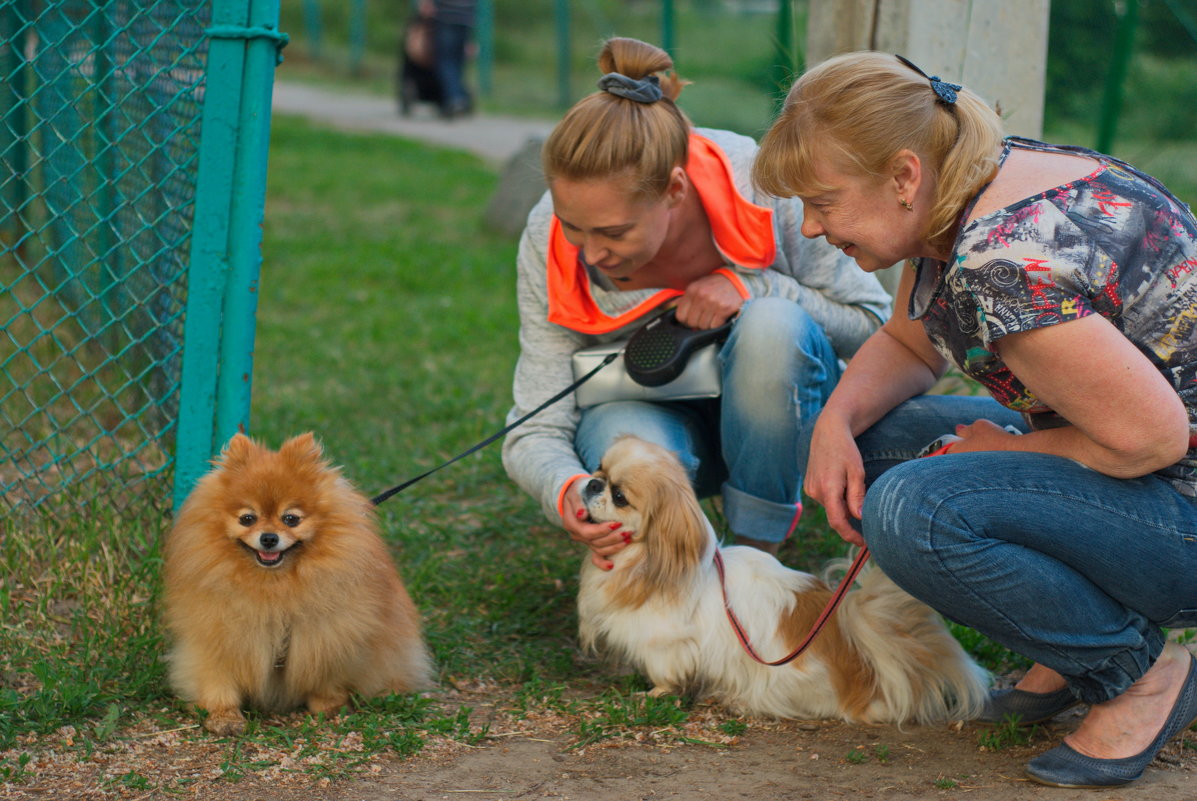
(781, 763)
(531, 759)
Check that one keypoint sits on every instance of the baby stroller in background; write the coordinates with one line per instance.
(417, 80)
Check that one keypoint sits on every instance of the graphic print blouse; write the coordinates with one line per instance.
(1114, 243)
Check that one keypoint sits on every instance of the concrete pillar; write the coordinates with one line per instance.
(997, 49)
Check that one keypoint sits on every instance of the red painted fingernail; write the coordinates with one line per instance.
(581, 513)
(627, 537)
(610, 566)
(614, 526)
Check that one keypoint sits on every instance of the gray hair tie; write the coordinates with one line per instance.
(645, 90)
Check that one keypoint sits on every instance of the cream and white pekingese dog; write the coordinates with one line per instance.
(883, 657)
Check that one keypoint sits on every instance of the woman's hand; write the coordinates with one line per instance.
(983, 435)
(835, 476)
(894, 364)
(709, 302)
(603, 539)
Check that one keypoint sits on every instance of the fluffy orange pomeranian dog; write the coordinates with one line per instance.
(883, 657)
(280, 592)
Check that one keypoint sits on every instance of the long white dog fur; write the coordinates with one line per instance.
(883, 657)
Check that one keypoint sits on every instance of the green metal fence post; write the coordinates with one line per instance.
(667, 27)
(1183, 18)
(226, 243)
(313, 25)
(207, 270)
(486, 46)
(563, 53)
(63, 162)
(109, 268)
(245, 244)
(783, 59)
(1111, 103)
(14, 124)
(357, 36)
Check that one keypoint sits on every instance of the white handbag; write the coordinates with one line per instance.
(701, 378)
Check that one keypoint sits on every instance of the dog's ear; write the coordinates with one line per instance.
(303, 447)
(236, 451)
(675, 530)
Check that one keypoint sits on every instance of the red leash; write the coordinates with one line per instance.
(836, 597)
(939, 446)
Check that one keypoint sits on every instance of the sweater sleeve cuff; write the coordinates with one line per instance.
(564, 489)
(737, 282)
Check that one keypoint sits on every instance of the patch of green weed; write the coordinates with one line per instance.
(733, 728)
(1007, 734)
(619, 714)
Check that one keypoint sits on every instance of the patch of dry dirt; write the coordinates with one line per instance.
(788, 762)
(532, 759)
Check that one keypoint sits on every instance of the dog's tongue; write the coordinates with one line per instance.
(267, 556)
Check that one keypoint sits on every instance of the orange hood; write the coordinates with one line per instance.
(742, 231)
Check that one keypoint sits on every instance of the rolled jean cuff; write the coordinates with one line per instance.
(1120, 671)
(758, 519)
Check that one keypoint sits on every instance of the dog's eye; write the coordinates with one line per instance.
(247, 519)
(290, 520)
(617, 497)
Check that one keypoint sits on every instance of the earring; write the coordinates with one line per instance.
(905, 204)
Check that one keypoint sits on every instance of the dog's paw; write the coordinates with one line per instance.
(660, 690)
(328, 705)
(225, 722)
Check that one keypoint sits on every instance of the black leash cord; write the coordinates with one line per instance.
(610, 357)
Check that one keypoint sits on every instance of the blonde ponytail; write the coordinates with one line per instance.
(606, 135)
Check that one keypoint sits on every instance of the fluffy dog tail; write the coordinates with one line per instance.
(921, 672)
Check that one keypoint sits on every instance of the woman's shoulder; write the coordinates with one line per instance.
(1029, 172)
(734, 145)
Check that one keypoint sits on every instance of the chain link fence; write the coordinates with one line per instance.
(100, 143)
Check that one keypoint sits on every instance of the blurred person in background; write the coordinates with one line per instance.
(452, 29)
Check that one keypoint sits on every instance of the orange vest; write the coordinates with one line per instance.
(743, 233)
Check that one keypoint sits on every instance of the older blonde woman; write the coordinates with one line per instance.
(1064, 281)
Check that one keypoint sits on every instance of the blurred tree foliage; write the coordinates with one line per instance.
(1160, 95)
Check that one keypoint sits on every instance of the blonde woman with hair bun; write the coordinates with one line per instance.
(1059, 516)
(645, 211)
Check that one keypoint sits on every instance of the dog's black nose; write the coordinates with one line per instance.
(267, 540)
(594, 486)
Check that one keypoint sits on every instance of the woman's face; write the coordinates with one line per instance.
(614, 229)
(862, 216)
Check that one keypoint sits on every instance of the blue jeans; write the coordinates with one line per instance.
(1062, 564)
(778, 370)
(450, 42)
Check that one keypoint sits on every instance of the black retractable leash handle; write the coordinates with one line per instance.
(377, 499)
(658, 352)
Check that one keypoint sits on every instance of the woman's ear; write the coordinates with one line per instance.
(906, 170)
(679, 185)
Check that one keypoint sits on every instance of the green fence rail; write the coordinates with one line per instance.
(111, 185)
